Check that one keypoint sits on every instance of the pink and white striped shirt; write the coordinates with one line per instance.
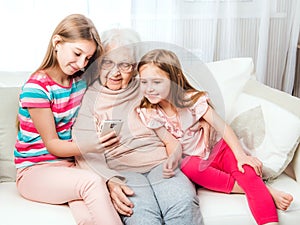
(40, 91)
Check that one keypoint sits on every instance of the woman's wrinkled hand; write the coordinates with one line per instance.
(118, 193)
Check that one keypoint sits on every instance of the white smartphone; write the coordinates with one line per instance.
(107, 126)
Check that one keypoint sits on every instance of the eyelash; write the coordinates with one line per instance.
(155, 82)
(78, 54)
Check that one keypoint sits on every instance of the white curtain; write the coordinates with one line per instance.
(266, 30)
(27, 25)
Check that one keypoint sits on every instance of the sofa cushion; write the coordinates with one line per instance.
(267, 123)
(8, 131)
(10, 83)
(17, 210)
(231, 76)
(13, 79)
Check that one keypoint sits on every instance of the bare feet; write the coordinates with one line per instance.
(282, 199)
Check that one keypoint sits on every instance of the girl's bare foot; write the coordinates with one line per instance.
(282, 199)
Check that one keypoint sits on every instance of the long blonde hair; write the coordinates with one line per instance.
(182, 93)
(71, 29)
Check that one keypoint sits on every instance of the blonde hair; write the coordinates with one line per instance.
(71, 29)
(168, 62)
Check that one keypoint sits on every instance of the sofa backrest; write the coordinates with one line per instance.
(227, 81)
(10, 83)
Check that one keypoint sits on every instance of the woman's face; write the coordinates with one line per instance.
(117, 68)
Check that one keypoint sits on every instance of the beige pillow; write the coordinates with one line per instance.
(267, 122)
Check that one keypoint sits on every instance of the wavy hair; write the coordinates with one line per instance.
(182, 93)
(71, 29)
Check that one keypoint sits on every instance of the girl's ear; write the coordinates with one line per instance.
(55, 40)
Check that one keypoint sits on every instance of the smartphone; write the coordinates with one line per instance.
(107, 126)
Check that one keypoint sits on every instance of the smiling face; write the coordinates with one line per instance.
(117, 68)
(155, 83)
(74, 56)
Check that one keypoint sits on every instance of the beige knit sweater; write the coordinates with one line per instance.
(139, 150)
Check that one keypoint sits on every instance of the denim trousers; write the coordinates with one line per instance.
(158, 200)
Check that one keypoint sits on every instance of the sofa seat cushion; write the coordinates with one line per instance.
(216, 208)
(228, 209)
(17, 210)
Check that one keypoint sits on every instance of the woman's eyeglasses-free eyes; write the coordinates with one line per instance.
(122, 66)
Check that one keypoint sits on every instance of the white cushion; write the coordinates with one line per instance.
(267, 129)
(17, 210)
(8, 131)
(231, 76)
(13, 79)
(10, 83)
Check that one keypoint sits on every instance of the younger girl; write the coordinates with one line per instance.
(171, 106)
(49, 102)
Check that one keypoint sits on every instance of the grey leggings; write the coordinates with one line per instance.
(159, 201)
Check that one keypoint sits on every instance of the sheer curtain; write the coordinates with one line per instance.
(26, 26)
(266, 30)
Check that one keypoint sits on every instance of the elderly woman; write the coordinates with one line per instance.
(132, 162)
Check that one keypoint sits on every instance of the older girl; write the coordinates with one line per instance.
(49, 103)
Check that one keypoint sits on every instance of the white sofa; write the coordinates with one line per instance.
(234, 80)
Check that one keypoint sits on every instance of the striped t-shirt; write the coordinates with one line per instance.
(40, 91)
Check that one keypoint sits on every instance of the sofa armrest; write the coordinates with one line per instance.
(293, 169)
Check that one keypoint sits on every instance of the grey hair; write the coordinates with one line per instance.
(119, 37)
(122, 37)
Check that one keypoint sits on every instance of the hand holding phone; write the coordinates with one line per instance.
(107, 126)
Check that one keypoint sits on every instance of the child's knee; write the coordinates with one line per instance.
(250, 172)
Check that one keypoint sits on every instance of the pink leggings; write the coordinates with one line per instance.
(62, 182)
(221, 175)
